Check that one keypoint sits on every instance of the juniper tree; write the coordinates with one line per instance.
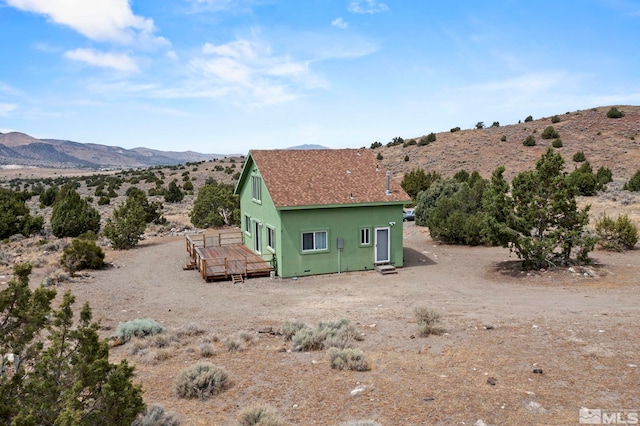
(538, 217)
(64, 375)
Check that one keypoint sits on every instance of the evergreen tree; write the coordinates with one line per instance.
(215, 205)
(125, 228)
(174, 194)
(72, 215)
(417, 180)
(15, 217)
(67, 380)
(538, 219)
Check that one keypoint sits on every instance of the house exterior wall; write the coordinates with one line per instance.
(263, 212)
(338, 222)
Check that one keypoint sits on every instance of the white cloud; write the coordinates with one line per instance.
(5, 109)
(101, 20)
(117, 61)
(250, 70)
(340, 23)
(367, 6)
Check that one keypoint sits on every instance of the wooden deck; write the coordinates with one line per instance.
(222, 255)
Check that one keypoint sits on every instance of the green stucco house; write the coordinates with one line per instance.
(321, 211)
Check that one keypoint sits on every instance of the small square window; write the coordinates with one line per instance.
(256, 188)
(365, 236)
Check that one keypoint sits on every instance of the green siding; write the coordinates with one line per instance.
(343, 222)
(346, 223)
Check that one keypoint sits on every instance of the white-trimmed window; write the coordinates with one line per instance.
(247, 224)
(256, 188)
(365, 236)
(271, 238)
(314, 241)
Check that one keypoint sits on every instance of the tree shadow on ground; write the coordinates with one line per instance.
(413, 257)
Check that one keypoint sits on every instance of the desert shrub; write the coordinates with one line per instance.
(157, 416)
(428, 320)
(137, 328)
(206, 350)
(201, 381)
(455, 129)
(290, 328)
(503, 138)
(409, 143)
(340, 333)
(431, 137)
(347, 359)
(71, 215)
(375, 145)
(549, 133)
(579, 157)
(187, 186)
(234, 344)
(616, 235)
(557, 143)
(615, 113)
(259, 415)
(406, 158)
(529, 141)
(528, 119)
(379, 157)
(190, 329)
(82, 254)
(495, 124)
(634, 183)
(555, 119)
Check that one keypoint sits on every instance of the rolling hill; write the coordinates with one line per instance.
(608, 142)
(22, 149)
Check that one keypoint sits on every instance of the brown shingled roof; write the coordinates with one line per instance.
(325, 177)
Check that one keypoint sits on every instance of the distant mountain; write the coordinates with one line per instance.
(22, 149)
(308, 146)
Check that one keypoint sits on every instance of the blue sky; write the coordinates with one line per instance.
(223, 76)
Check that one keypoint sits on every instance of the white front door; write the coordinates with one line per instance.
(382, 245)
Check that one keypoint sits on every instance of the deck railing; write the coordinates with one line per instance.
(222, 267)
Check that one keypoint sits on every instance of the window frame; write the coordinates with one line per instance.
(256, 189)
(247, 224)
(315, 248)
(365, 234)
(271, 238)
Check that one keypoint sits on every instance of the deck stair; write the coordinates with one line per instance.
(237, 278)
(386, 269)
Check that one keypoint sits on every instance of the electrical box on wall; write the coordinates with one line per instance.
(340, 243)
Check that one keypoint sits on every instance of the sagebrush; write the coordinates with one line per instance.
(428, 320)
(137, 328)
(201, 381)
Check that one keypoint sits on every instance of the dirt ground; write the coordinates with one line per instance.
(580, 328)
